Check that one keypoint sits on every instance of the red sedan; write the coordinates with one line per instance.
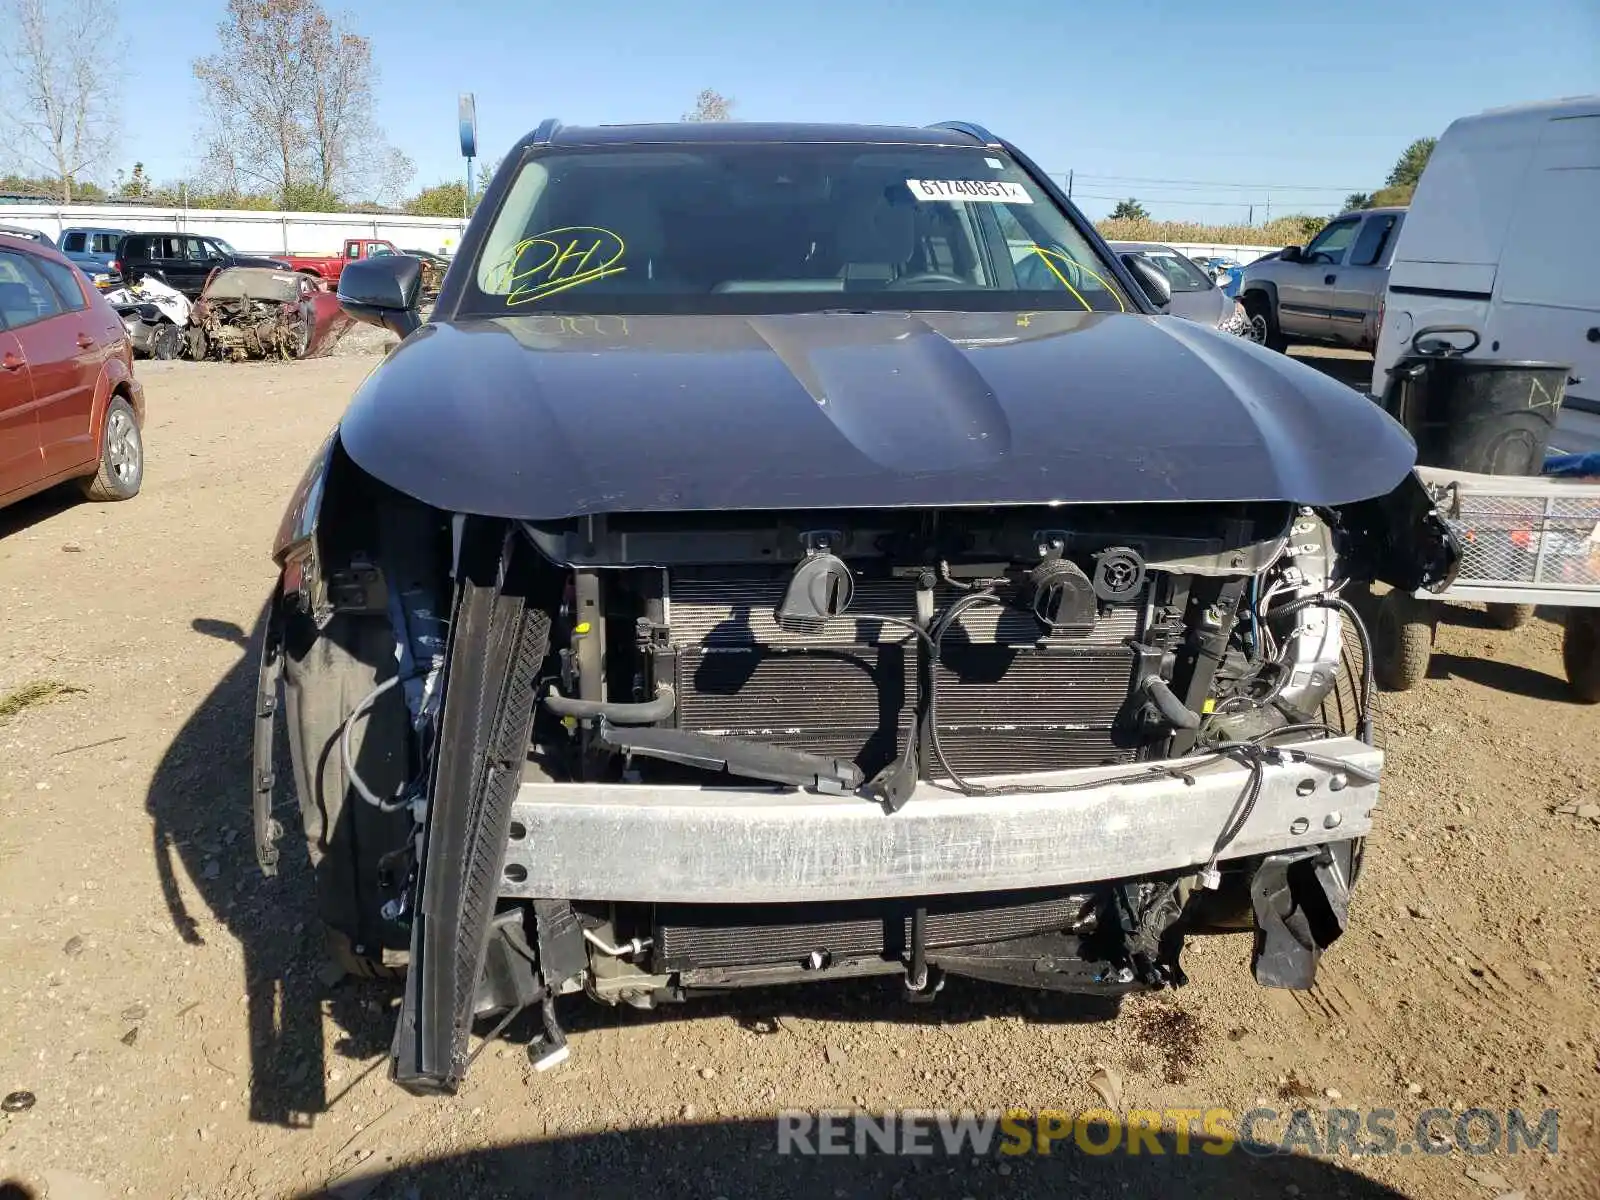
(70, 407)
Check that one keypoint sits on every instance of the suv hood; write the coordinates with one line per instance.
(545, 417)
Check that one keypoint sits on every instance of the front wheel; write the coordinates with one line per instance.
(1580, 653)
(121, 468)
(1403, 641)
(169, 343)
(1510, 616)
(1264, 329)
(198, 347)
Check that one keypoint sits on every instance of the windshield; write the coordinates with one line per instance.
(225, 248)
(748, 228)
(1180, 272)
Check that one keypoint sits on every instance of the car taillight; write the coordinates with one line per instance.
(116, 266)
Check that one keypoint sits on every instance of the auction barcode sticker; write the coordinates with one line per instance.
(989, 191)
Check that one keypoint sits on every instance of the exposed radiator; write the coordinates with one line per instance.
(1005, 703)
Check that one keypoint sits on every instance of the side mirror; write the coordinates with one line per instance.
(383, 291)
(1291, 254)
(1155, 284)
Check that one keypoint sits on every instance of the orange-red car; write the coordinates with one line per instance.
(70, 407)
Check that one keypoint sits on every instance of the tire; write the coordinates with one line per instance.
(169, 343)
(198, 347)
(1402, 641)
(1264, 329)
(1510, 616)
(121, 470)
(326, 674)
(1580, 653)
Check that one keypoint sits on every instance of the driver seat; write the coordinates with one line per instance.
(877, 241)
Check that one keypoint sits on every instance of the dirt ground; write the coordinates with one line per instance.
(162, 1003)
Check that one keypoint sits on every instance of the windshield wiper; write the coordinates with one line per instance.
(736, 756)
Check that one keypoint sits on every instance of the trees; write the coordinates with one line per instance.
(1357, 200)
(289, 95)
(60, 92)
(441, 200)
(1408, 167)
(711, 105)
(1130, 210)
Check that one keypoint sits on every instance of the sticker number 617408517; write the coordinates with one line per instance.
(990, 191)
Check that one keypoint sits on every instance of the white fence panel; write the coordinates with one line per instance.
(250, 232)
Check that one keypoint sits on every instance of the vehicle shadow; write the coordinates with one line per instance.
(741, 1158)
(200, 816)
(36, 509)
(1352, 372)
(1502, 677)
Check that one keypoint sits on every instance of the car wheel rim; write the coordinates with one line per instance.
(1258, 329)
(122, 447)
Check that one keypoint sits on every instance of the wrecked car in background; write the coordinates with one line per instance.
(752, 573)
(155, 315)
(259, 312)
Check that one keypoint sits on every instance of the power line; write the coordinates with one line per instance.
(1252, 187)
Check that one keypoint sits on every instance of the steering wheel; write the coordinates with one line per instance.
(907, 282)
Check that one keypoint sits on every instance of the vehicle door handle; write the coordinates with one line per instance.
(1329, 278)
(85, 342)
(10, 362)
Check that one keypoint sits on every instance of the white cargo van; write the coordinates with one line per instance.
(1503, 237)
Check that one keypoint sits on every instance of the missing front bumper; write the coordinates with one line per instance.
(666, 844)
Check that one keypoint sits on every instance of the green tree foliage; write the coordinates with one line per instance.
(1357, 200)
(1130, 210)
(447, 199)
(1409, 166)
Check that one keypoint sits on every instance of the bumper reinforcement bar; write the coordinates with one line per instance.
(731, 845)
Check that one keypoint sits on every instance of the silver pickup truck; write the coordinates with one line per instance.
(1331, 290)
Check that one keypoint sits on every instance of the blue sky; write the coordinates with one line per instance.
(1289, 104)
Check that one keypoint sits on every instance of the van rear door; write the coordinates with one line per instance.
(1547, 303)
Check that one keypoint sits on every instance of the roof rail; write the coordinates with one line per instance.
(546, 131)
(971, 129)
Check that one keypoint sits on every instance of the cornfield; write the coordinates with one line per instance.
(1284, 231)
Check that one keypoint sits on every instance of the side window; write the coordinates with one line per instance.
(352, 250)
(377, 250)
(1374, 238)
(25, 297)
(105, 243)
(196, 250)
(1328, 247)
(73, 244)
(168, 248)
(64, 280)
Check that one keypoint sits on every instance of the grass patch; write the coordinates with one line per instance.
(41, 691)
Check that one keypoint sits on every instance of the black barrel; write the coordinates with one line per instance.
(1486, 416)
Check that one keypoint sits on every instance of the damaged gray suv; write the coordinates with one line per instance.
(794, 553)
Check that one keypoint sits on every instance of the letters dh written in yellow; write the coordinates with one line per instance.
(557, 260)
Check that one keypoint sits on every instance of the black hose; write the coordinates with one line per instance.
(646, 712)
(1177, 713)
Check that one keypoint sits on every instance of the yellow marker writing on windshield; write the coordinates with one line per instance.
(1046, 255)
(559, 259)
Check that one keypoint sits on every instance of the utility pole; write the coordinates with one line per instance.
(1269, 210)
(1251, 219)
